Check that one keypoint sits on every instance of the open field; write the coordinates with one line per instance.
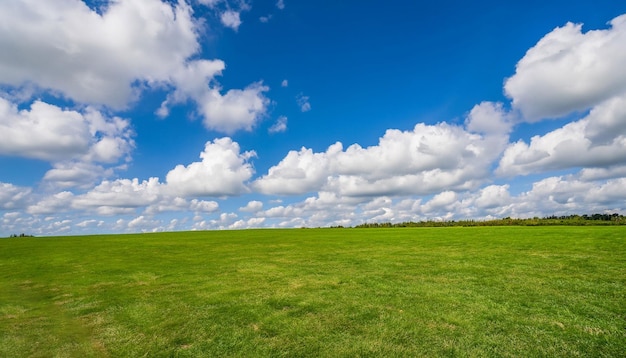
(497, 291)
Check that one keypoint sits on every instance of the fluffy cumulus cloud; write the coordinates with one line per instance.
(108, 58)
(236, 109)
(597, 140)
(204, 206)
(142, 222)
(191, 81)
(50, 133)
(493, 196)
(12, 196)
(422, 161)
(131, 197)
(571, 195)
(72, 174)
(45, 132)
(82, 146)
(52, 204)
(223, 171)
(247, 224)
(231, 19)
(224, 221)
(299, 172)
(94, 58)
(120, 196)
(489, 118)
(567, 71)
(252, 206)
(564, 195)
(570, 70)
(591, 174)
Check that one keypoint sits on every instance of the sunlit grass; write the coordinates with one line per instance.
(503, 291)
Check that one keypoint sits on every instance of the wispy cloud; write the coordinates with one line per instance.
(303, 102)
(231, 19)
(279, 126)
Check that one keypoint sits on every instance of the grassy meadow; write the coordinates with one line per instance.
(466, 292)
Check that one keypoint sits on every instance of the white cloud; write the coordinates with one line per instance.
(493, 196)
(237, 109)
(9, 220)
(303, 102)
(12, 196)
(144, 224)
(108, 59)
(299, 172)
(280, 211)
(598, 140)
(252, 206)
(210, 3)
(489, 118)
(606, 122)
(90, 223)
(422, 161)
(224, 221)
(60, 226)
(165, 203)
(247, 224)
(204, 206)
(223, 171)
(72, 141)
(441, 205)
(569, 195)
(284, 83)
(64, 46)
(53, 204)
(279, 126)
(555, 195)
(327, 209)
(45, 132)
(280, 4)
(231, 19)
(119, 196)
(607, 196)
(550, 196)
(229, 11)
(69, 174)
(568, 70)
(591, 174)
(191, 81)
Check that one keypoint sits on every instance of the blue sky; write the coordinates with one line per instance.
(151, 115)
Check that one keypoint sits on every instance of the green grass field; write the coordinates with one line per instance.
(475, 292)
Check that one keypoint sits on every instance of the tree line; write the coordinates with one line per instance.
(20, 235)
(553, 220)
